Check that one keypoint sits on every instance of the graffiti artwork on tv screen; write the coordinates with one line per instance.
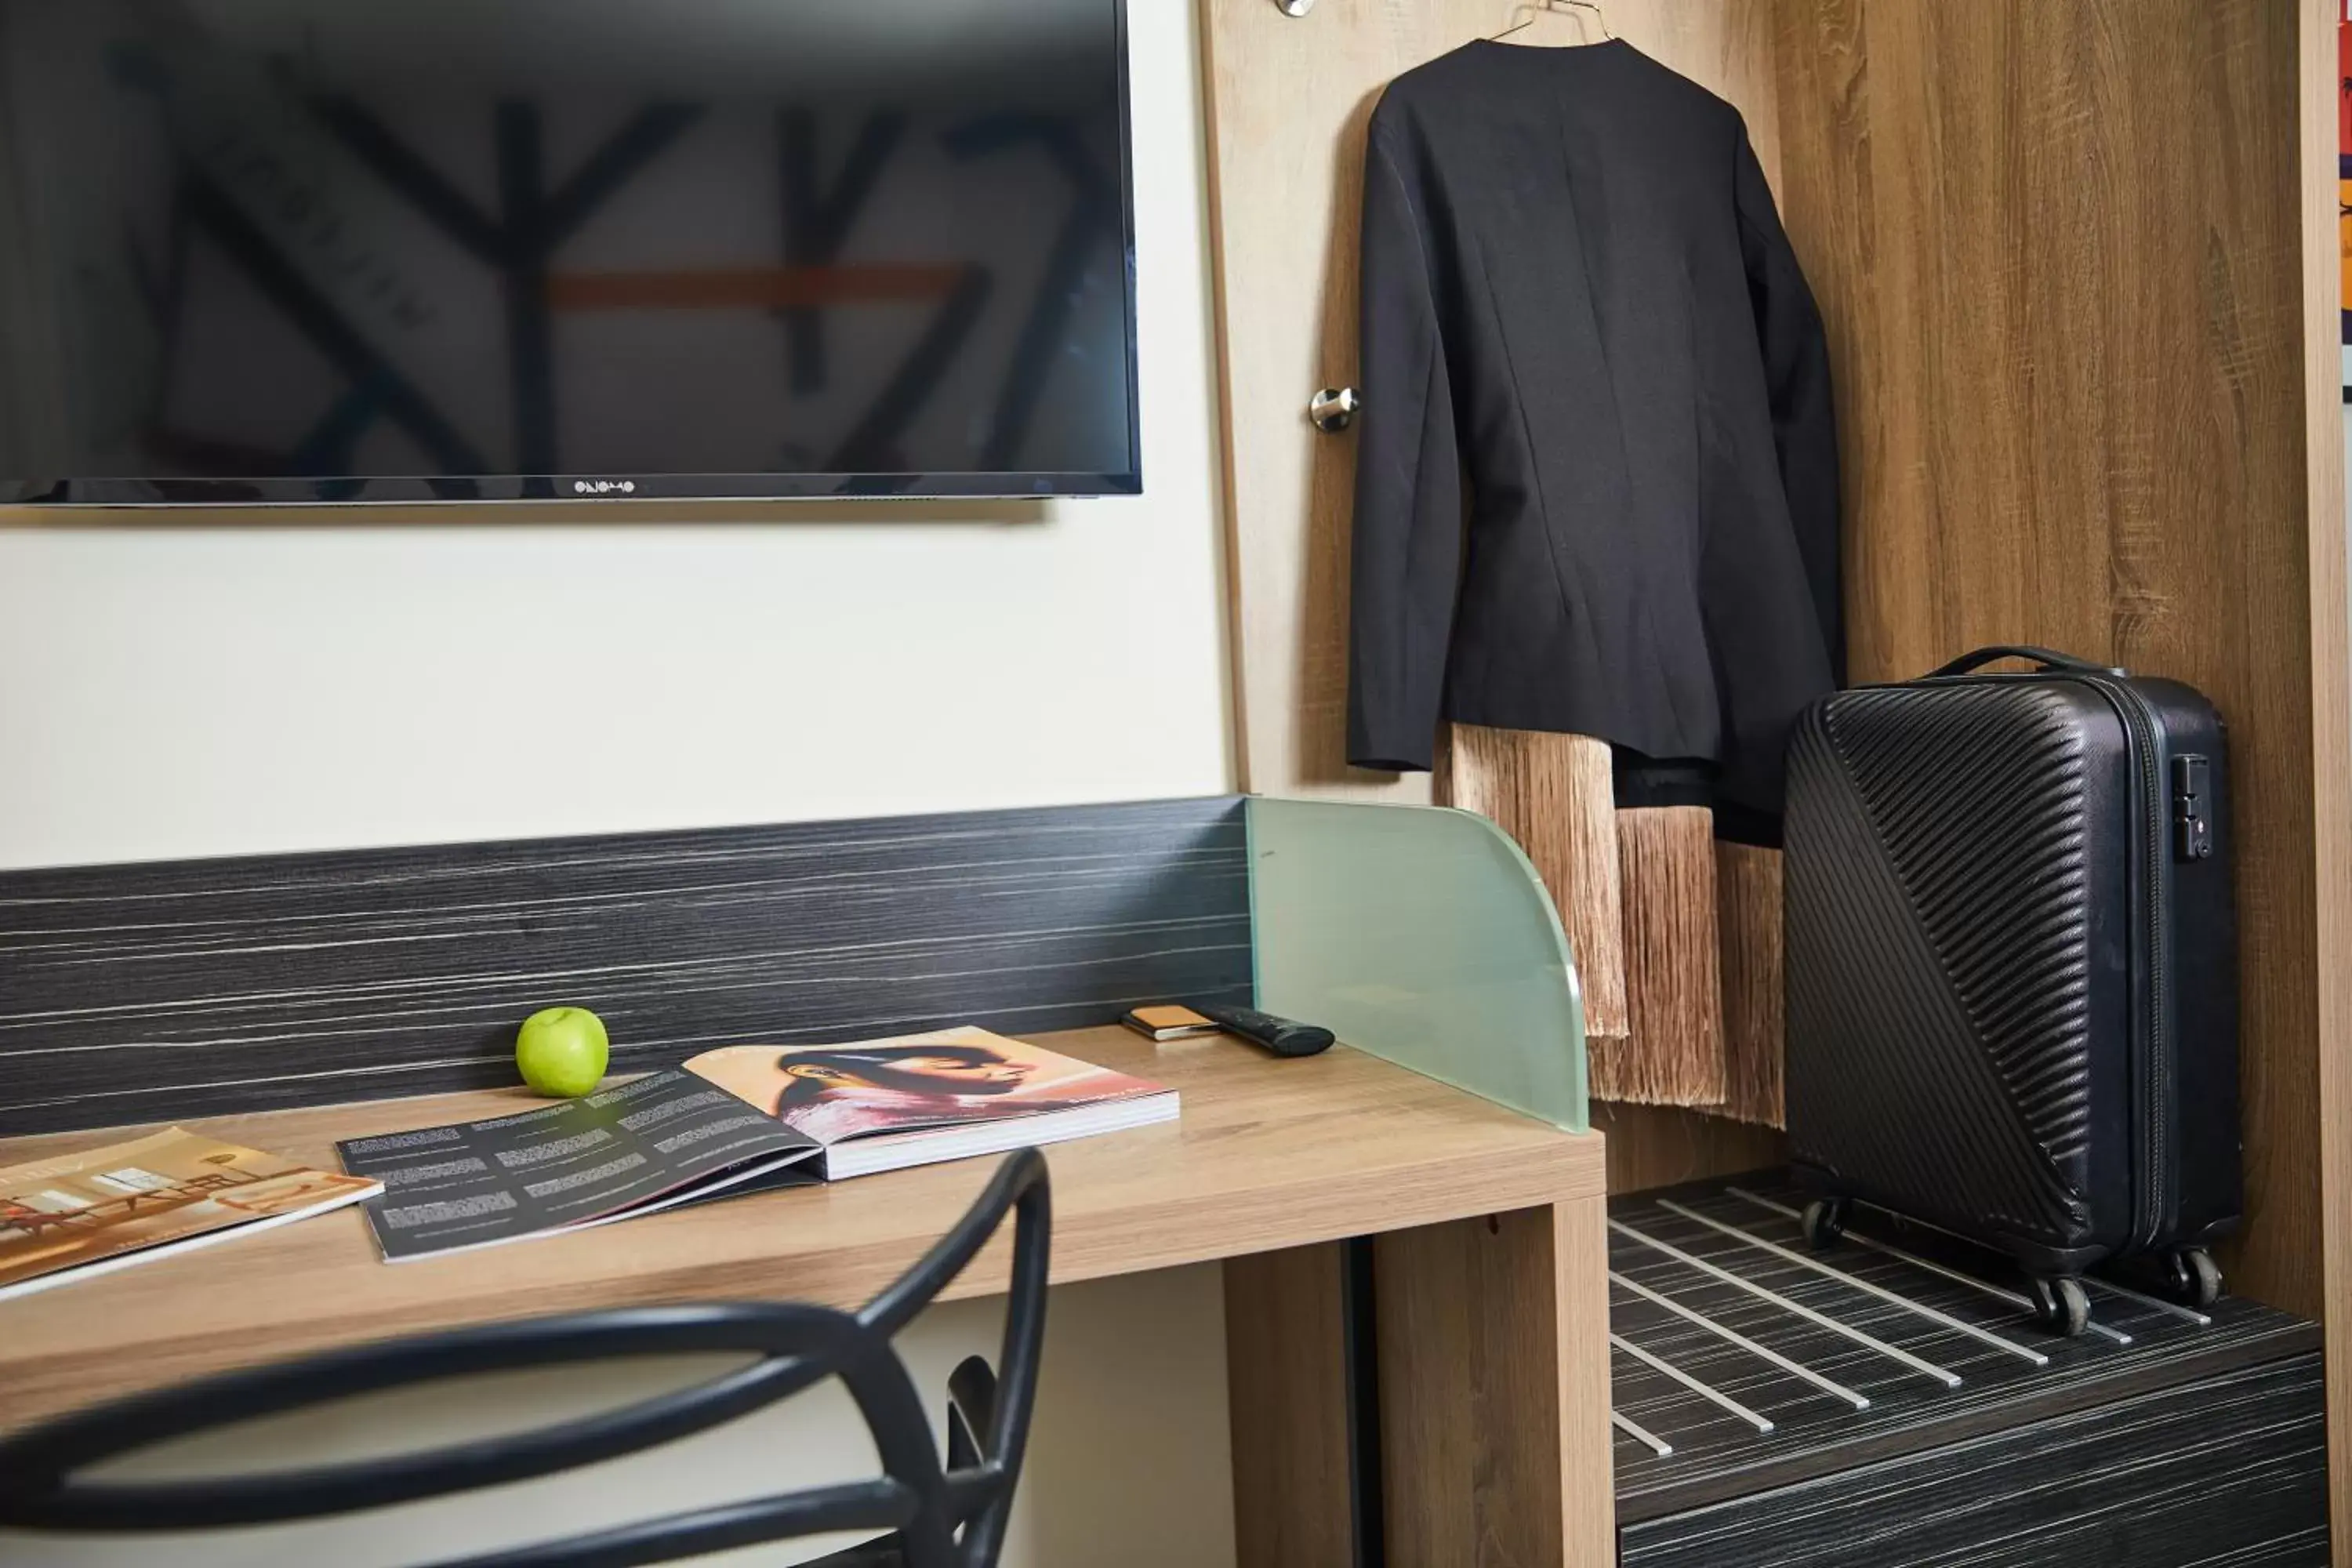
(564, 247)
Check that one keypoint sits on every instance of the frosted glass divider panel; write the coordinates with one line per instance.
(1420, 934)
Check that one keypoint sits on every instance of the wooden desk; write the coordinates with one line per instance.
(1492, 1299)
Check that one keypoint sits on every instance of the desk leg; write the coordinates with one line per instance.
(1494, 1356)
(1286, 1374)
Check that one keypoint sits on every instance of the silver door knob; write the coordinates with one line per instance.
(1296, 8)
(1333, 408)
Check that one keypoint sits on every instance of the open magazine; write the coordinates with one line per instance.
(737, 1120)
(74, 1217)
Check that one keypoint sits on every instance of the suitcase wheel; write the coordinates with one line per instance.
(1824, 1221)
(2194, 1276)
(2063, 1304)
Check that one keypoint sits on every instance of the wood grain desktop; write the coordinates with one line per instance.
(1266, 1154)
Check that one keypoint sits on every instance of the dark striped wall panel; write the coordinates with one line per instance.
(2231, 1471)
(156, 991)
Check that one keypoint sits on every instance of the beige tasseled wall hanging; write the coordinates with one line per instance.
(1676, 938)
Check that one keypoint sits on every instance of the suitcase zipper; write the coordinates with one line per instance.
(2153, 1065)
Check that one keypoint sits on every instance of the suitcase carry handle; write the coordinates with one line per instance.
(2048, 658)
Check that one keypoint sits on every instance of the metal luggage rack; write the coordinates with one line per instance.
(1743, 1358)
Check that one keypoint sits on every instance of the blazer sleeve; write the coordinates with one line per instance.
(1407, 546)
(1797, 381)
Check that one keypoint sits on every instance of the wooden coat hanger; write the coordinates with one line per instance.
(1535, 11)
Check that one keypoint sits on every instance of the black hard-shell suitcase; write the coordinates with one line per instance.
(2011, 967)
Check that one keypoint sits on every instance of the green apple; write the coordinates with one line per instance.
(562, 1050)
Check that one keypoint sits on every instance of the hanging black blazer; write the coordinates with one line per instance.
(1576, 289)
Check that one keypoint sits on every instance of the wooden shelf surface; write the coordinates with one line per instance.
(1266, 1154)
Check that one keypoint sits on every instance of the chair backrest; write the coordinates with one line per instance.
(950, 1515)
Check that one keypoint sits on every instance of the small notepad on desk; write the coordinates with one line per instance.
(737, 1120)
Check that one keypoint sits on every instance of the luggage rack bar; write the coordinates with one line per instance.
(1715, 1396)
(2154, 1303)
(1732, 1336)
(1799, 1259)
(1944, 1375)
(1634, 1429)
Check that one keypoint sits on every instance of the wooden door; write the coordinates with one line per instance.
(1289, 101)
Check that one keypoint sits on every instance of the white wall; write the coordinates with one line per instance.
(228, 684)
(238, 684)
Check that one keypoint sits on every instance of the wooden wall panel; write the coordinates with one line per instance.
(1493, 1335)
(1286, 1379)
(2058, 250)
(1664, 1146)
(2331, 724)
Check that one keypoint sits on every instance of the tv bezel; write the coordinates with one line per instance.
(607, 486)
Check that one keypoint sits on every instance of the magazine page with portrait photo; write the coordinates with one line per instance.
(949, 1077)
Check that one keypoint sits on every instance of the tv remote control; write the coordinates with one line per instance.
(1283, 1037)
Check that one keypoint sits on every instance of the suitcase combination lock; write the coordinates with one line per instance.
(2192, 808)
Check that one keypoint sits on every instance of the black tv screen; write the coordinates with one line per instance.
(326, 250)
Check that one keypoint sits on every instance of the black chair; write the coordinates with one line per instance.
(938, 1516)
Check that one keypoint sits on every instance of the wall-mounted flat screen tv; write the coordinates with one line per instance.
(332, 251)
